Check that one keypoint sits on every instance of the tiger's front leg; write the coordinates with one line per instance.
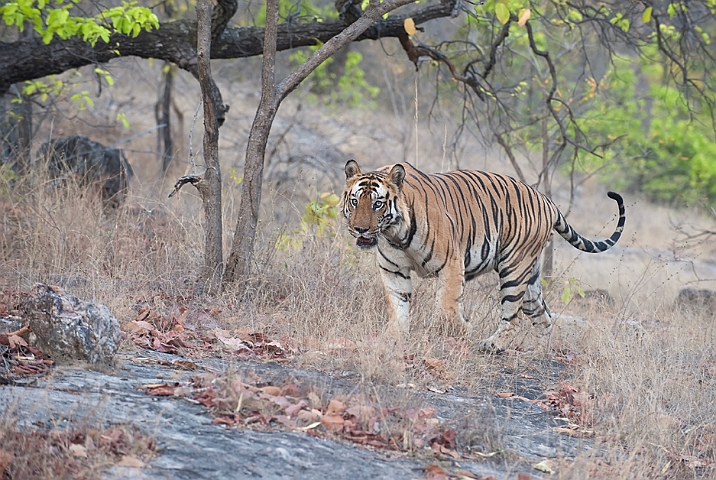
(398, 289)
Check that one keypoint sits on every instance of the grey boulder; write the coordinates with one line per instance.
(69, 329)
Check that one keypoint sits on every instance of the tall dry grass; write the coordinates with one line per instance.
(648, 370)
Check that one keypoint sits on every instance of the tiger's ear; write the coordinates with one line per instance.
(352, 169)
(397, 175)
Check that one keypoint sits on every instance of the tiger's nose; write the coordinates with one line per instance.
(360, 229)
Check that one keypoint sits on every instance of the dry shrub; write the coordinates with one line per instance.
(77, 453)
(649, 393)
(64, 236)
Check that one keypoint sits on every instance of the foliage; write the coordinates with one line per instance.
(128, 19)
(662, 144)
(235, 176)
(319, 215)
(350, 88)
(623, 87)
(571, 288)
(290, 10)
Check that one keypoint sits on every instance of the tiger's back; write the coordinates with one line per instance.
(477, 215)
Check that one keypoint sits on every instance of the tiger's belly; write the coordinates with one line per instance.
(477, 259)
(480, 258)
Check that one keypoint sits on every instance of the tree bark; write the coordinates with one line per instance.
(30, 58)
(210, 185)
(548, 255)
(238, 264)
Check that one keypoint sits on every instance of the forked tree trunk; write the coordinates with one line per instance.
(239, 263)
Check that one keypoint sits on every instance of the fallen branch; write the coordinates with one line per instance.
(19, 333)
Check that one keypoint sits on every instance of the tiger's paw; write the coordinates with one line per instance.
(490, 347)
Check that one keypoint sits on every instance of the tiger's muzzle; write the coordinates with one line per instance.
(365, 238)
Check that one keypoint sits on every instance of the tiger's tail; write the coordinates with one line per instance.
(589, 246)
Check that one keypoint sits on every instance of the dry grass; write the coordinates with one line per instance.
(648, 370)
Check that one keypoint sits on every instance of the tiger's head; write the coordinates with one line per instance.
(372, 202)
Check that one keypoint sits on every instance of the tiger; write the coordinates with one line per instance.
(457, 226)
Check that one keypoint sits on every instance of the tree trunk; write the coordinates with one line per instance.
(548, 255)
(210, 185)
(163, 116)
(16, 131)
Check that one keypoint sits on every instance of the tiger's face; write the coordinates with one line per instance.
(371, 202)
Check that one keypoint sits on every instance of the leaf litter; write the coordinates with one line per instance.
(358, 418)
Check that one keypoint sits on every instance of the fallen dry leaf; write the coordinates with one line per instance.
(362, 413)
(78, 450)
(161, 390)
(435, 472)
(292, 410)
(434, 363)
(332, 422)
(546, 466)
(5, 459)
(271, 390)
(16, 341)
(335, 407)
(506, 394)
(131, 461)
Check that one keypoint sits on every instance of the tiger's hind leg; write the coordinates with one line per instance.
(534, 305)
(514, 281)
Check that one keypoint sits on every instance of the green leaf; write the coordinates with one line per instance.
(671, 10)
(123, 118)
(566, 295)
(575, 15)
(502, 13)
(646, 16)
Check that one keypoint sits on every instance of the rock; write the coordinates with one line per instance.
(91, 163)
(69, 329)
(694, 298)
(10, 324)
(597, 297)
(600, 296)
